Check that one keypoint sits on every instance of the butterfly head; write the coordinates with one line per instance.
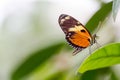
(93, 40)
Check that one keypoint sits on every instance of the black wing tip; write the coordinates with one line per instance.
(62, 16)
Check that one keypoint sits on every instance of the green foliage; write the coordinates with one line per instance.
(94, 74)
(104, 57)
(115, 8)
(113, 76)
(57, 76)
(35, 60)
(93, 67)
(99, 16)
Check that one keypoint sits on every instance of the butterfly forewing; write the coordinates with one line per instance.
(66, 22)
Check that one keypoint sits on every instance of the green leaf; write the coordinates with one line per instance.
(115, 8)
(94, 74)
(99, 16)
(35, 60)
(104, 57)
(89, 75)
(57, 76)
(114, 76)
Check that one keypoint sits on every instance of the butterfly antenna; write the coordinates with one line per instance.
(98, 45)
(100, 25)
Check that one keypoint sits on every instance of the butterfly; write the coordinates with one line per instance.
(76, 34)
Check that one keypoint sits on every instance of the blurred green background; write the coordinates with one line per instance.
(33, 46)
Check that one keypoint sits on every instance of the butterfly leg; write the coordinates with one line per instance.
(89, 49)
(97, 44)
(77, 50)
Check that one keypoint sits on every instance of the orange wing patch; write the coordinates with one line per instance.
(79, 40)
(80, 30)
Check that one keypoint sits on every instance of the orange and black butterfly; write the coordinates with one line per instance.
(76, 34)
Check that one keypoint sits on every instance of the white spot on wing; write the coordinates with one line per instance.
(62, 20)
(67, 17)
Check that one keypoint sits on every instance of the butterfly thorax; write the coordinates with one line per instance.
(93, 40)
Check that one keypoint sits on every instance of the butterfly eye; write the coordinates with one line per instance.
(83, 30)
